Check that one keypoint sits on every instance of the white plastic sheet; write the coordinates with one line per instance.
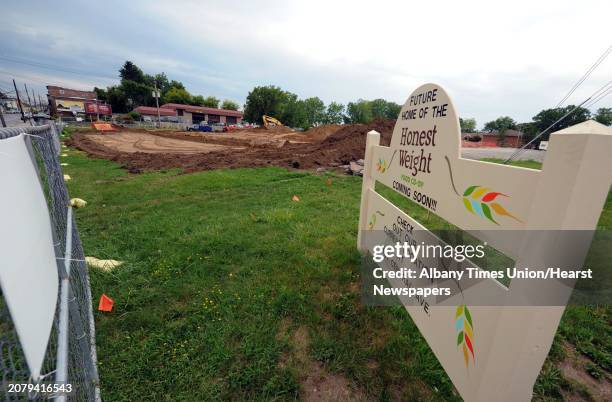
(28, 271)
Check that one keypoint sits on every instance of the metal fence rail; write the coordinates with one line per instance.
(73, 325)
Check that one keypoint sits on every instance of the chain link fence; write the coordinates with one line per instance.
(71, 352)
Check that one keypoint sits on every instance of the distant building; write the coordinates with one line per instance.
(512, 139)
(189, 114)
(66, 102)
(9, 104)
(150, 113)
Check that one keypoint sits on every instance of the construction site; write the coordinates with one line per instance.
(140, 150)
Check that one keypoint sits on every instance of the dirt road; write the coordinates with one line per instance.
(142, 142)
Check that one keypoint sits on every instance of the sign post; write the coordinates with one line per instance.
(490, 352)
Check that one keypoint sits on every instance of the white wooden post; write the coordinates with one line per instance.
(372, 139)
(570, 196)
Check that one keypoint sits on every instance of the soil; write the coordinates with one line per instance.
(324, 146)
(142, 142)
(573, 368)
(317, 384)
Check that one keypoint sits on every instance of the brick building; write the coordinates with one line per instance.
(512, 139)
(66, 102)
(189, 114)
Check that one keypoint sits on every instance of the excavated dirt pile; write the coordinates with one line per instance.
(325, 146)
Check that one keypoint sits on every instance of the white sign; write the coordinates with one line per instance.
(489, 352)
(28, 274)
(543, 145)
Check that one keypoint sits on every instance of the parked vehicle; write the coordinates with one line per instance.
(200, 127)
(219, 127)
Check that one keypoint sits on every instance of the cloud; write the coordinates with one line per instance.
(512, 58)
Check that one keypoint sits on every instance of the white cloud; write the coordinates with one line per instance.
(496, 58)
(499, 58)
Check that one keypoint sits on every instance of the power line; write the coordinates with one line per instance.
(596, 96)
(9, 73)
(27, 78)
(585, 76)
(599, 97)
(51, 67)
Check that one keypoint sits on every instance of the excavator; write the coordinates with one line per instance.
(270, 122)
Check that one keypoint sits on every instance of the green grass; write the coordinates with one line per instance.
(221, 267)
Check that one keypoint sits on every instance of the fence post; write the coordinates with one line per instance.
(61, 374)
(372, 139)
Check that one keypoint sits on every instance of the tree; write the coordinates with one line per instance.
(467, 125)
(547, 117)
(134, 115)
(131, 72)
(529, 130)
(117, 99)
(211, 101)
(101, 94)
(359, 112)
(178, 95)
(163, 84)
(501, 125)
(197, 100)
(334, 113)
(604, 116)
(393, 110)
(378, 108)
(293, 111)
(268, 100)
(229, 105)
(176, 84)
(140, 93)
(382, 109)
(315, 112)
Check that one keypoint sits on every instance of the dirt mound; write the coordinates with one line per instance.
(345, 144)
(322, 132)
(275, 129)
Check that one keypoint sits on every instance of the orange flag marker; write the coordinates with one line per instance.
(106, 303)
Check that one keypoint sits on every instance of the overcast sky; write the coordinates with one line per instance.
(495, 58)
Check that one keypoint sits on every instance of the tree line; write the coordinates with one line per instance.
(541, 122)
(136, 89)
(285, 106)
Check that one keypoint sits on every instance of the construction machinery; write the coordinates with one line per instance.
(270, 122)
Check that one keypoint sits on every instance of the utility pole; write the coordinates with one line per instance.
(19, 102)
(2, 96)
(2, 116)
(35, 103)
(156, 94)
(30, 103)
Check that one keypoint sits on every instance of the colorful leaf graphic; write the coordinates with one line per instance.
(372, 222)
(382, 165)
(491, 196)
(502, 211)
(487, 212)
(478, 200)
(480, 191)
(469, 190)
(465, 333)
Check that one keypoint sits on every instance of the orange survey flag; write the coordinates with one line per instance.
(106, 303)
